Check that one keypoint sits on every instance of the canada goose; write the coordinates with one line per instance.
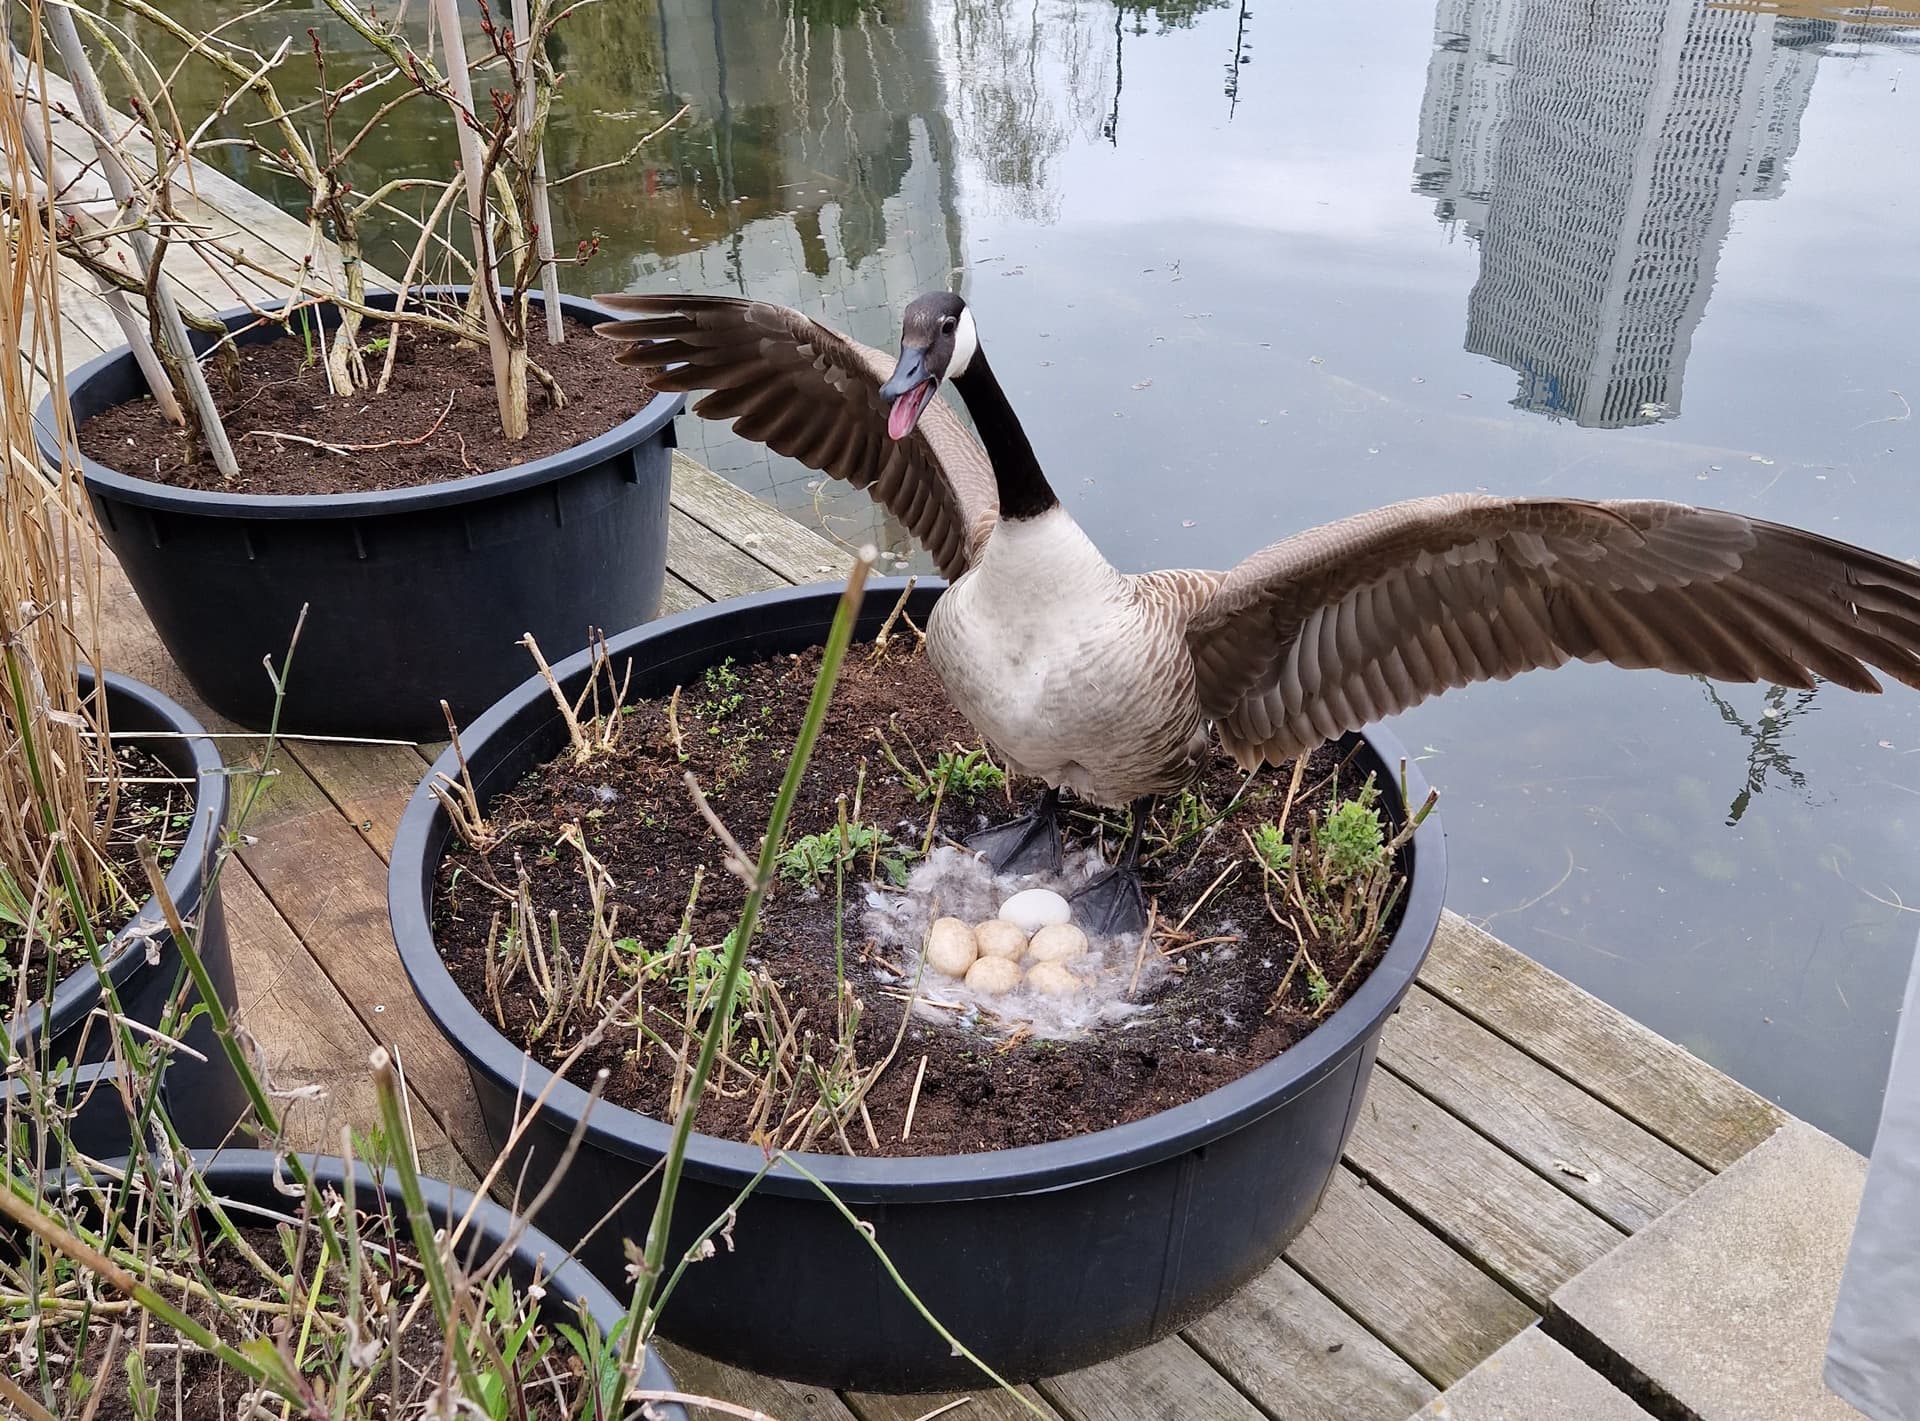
(1110, 684)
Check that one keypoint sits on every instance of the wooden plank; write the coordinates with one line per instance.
(795, 552)
(309, 1036)
(782, 1401)
(710, 564)
(1509, 1220)
(87, 327)
(1578, 1144)
(332, 888)
(369, 784)
(1166, 1380)
(1663, 1087)
(201, 193)
(991, 1405)
(679, 595)
(1283, 1343)
(1410, 1289)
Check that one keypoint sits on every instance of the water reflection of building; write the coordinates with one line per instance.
(1595, 154)
(821, 163)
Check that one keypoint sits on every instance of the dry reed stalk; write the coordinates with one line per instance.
(49, 560)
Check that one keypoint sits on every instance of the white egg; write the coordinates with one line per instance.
(993, 975)
(950, 947)
(998, 938)
(1036, 908)
(1052, 979)
(1058, 942)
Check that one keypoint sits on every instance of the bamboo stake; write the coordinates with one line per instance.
(74, 208)
(173, 332)
(513, 417)
(542, 212)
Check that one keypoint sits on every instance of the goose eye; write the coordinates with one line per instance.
(947, 326)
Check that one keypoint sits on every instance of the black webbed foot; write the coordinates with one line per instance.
(1029, 844)
(1112, 904)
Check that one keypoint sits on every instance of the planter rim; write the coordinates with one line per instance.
(212, 503)
(983, 1174)
(566, 1277)
(79, 991)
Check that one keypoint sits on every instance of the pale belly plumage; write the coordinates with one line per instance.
(1046, 650)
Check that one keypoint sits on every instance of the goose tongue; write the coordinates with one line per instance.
(904, 413)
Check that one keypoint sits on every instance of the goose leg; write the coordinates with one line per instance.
(1029, 844)
(1113, 902)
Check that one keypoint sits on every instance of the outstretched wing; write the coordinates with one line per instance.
(1337, 627)
(809, 392)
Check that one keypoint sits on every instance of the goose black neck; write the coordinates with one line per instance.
(1024, 491)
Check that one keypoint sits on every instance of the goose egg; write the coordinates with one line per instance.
(993, 975)
(1052, 979)
(950, 947)
(998, 938)
(1036, 908)
(1057, 942)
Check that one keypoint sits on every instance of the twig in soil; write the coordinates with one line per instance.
(469, 820)
(913, 1100)
(569, 712)
(899, 611)
(738, 864)
(895, 994)
(673, 725)
(279, 436)
(1146, 940)
(1200, 902)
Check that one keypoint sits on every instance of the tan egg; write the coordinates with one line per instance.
(993, 975)
(1060, 942)
(950, 947)
(1053, 980)
(999, 938)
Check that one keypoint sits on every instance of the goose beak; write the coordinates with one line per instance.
(908, 391)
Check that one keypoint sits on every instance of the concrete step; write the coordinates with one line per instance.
(1724, 1303)
(1531, 1378)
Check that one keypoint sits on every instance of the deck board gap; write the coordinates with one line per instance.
(1501, 1145)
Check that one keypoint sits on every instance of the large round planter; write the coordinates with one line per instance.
(413, 595)
(63, 1036)
(1043, 1258)
(246, 1179)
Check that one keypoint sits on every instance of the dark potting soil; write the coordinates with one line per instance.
(148, 806)
(379, 441)
(1209, 1022)
(198, 1387)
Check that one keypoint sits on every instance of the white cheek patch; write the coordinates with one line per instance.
(965, 342)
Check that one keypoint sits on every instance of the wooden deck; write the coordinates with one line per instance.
(1517, 1130)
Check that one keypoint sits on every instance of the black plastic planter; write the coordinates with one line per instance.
(415, 595)
(62, 1034)
(246, 1180)
(1042, 1259)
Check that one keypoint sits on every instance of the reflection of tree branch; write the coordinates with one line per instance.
(1764, 751)
(1240, 57)
(627, 156)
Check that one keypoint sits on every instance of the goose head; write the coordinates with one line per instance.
(937, 342)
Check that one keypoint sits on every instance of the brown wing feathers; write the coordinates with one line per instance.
(807, 391)
(1335, 628)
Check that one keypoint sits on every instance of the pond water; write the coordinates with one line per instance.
(1248, 267)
